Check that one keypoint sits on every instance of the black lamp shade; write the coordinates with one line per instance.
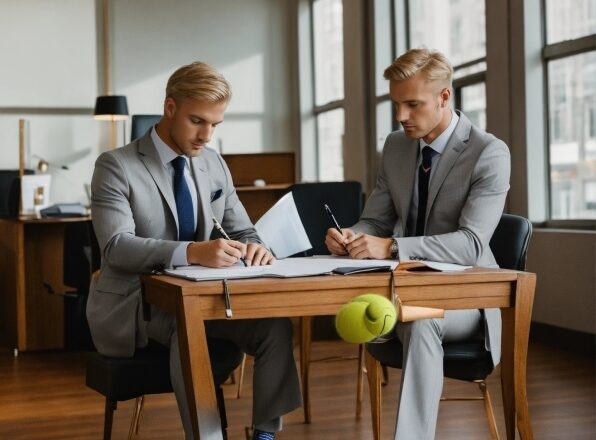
(111, 108)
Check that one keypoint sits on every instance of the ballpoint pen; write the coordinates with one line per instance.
(226, 236)
(332, 218)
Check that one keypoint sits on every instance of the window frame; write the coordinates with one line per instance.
(551, 52)
(318, 110)
(457, 85)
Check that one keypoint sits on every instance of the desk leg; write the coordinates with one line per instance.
(516, 330)
(196, 370)
(305, 339)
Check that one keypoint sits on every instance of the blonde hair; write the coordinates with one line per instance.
(198, 81)
(433, 65)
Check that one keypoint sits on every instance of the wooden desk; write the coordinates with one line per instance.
(194, 302)
(32, 253)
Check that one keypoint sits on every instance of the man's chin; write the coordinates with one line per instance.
(196, 150)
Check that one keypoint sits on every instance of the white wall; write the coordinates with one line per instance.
(49, 77)
(50, 74)
(565, 264)
(247, 41)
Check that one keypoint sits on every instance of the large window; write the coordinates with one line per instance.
(570, 57)
(328, 87)
(455, 27)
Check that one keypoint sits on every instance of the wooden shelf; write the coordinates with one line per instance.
(272, 187)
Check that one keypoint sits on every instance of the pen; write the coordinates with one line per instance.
(226, 236)
(332, 218)
(227, 299)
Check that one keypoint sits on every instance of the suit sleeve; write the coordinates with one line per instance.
(114, 223)
(235, 219)
(479, 217)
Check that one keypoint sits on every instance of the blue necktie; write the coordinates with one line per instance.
(184, 208)
(423, 178)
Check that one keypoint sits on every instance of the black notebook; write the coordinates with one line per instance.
(348, 270)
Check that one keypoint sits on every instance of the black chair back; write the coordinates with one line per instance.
(510, 241)
(141, 125)
(469, 360)
(343, 198)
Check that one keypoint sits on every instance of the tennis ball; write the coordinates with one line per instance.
(365, 318)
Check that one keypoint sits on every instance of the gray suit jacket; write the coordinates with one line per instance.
(466, 197)
(136, 223)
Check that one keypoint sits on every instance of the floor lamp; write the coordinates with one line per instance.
(112, 108)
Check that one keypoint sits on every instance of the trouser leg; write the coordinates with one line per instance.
(276, 390)
(422, 372)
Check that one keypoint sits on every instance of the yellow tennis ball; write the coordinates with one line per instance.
(365, 318)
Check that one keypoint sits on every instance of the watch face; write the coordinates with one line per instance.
(393, 249)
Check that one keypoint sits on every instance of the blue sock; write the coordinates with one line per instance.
(263, 435)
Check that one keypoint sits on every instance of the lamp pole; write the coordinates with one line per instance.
(107, 65)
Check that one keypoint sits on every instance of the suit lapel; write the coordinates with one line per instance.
(162, 179)
(406, 171)
(456, 144)
(203, 185)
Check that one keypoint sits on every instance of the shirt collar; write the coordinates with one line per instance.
(440, 142)
(166, 154)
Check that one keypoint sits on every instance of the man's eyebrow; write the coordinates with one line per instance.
(203, 119)
(405, 101)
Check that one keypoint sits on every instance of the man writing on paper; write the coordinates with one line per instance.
(153, 202)
(439, 196)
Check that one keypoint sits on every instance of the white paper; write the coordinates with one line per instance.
(29, 184)
(287, 268)
(281, 229)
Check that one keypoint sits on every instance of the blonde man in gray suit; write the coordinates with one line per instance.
(153, 201)
(439, 195)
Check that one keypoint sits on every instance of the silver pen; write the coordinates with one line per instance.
(226, 236)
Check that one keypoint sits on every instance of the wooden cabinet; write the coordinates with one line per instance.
(277, 170)
(32, 255)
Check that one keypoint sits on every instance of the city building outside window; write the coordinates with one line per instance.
(456, 28)
(327, 19)
(570, 57)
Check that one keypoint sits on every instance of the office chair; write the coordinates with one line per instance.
(148, 372)
(464, 360)
(141, 124)
(345, 200)
(79, 264)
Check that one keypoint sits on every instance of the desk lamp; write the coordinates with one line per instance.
(112, 108)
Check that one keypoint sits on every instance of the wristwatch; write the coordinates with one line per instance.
(394, 249)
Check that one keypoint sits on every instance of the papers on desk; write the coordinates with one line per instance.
(287, 268)
(281, 229)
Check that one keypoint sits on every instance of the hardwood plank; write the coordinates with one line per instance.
(43, 396)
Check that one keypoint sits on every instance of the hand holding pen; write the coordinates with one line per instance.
(225, 235)
(335, 239)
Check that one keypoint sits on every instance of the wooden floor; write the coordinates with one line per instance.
(43, 396)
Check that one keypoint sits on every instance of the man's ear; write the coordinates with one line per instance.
(169, 107)
(445, 95)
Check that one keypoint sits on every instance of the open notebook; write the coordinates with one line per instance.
(301, 267)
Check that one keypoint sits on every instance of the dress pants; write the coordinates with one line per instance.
(422, 372)
(276, 390)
